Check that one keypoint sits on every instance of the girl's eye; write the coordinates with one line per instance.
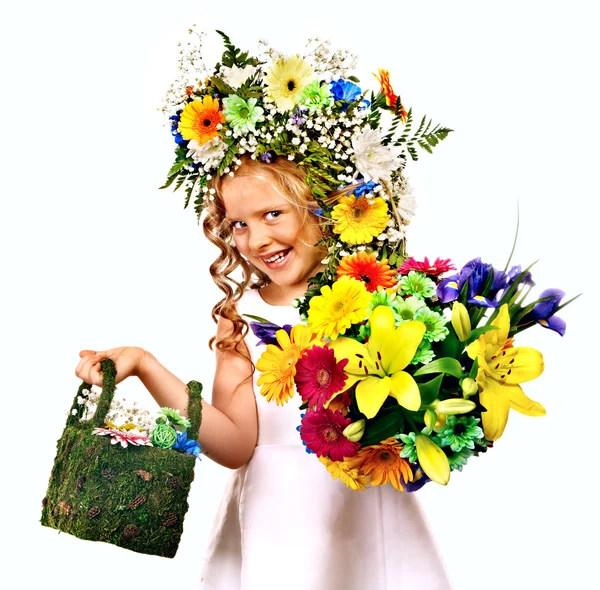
(274, 214)
(238, 225)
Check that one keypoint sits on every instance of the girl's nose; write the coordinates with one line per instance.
(259, 239)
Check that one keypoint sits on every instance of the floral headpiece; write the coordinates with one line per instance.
(309, 109)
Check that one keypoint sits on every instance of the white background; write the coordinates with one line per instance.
(94, 256)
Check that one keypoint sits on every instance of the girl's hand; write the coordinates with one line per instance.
(127, 361)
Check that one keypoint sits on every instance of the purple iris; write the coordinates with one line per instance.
(476, 274)
(515, 271)
(190, 447)
(266, 331)
(419, 479)
(543, 312)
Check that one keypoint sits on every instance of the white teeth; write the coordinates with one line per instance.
(277, 257)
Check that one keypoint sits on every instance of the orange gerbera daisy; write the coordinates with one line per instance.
(391, 97)
(277, 364)
(383, 463)
(200, 118)
(366, 268)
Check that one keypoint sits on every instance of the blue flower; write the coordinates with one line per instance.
(345, 92)
(479, 277)
(266, 157)
(298, 429)
(190, 447)
(543, 312)
(266, 331)
(366, 187)
(174, 126)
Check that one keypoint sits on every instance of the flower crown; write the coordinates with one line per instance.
(309, 109)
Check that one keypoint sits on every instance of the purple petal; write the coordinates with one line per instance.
(554, 323)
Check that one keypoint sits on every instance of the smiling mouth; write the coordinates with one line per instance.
(278, 259)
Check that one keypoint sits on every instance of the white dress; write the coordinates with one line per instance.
(285, 524)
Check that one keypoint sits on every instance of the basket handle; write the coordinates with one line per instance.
(194, 389)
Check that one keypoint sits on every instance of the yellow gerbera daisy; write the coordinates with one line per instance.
(200, 118)
(286, 79)
(358, 221)
(277, 364)
(383, 463)
(348, 475)
(338, 307)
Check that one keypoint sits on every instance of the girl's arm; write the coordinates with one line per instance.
(229, 428)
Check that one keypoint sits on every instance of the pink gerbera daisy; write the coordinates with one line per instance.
(124, 437)
(322, 431)
(437, 268)
(319, 375)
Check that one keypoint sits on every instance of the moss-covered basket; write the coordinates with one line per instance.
(133, 497)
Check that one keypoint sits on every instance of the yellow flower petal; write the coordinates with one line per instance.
(405, 389)
(497, 405)
(399, 349)
(381, 322)
(520, 402)
(371, 393)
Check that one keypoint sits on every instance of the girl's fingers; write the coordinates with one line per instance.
(83, 353)
(89, 370)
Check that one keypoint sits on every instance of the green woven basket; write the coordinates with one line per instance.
(133, 497)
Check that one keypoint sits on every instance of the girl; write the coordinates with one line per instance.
(283, 523)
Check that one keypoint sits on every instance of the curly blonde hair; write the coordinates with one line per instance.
(289, 180)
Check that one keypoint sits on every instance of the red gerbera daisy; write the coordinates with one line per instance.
(366, 268)
(323, 432)
(319, 375)
(437, 268)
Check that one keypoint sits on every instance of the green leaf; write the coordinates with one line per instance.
(446, 365)
(430, 390)
(451, 346)
(257, 318)
(478, 332)
(382, 427)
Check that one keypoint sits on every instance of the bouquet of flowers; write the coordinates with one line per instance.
(406, 374)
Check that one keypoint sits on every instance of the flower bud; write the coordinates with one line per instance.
(432, 459)
(355, 430)
(469, 387)
(461, 321)
(457, 405)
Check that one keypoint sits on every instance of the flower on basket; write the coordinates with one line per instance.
(124, 437)
(168, 431)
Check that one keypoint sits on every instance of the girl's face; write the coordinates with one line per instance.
(268, 232)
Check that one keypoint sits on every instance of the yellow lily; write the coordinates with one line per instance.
(500, 370)
(379, 363)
